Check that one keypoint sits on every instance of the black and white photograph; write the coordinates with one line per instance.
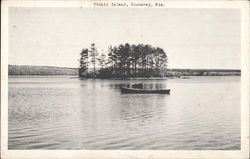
(125, 76)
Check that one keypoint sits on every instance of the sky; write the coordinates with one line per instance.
(192, 38)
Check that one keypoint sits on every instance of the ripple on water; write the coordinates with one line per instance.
(93, 114)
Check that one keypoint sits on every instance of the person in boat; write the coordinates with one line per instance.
(138, 85)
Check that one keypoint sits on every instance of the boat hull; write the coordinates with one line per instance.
(125, 90)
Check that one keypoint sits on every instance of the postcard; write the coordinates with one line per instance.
(125, 79)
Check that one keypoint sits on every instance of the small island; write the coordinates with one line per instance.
(123, 61)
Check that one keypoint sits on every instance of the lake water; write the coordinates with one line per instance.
(201, 113)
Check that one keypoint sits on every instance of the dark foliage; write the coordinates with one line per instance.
(126, 61)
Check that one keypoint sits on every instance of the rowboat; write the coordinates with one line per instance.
(126, 90)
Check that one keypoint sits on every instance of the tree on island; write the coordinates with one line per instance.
(102, 60)
(93, 54)
(83, 61)
(130, 61)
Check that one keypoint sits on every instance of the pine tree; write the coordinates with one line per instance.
(102, 60)
(93, 54)
(83, 61)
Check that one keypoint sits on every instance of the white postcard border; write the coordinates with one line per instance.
(245, 67)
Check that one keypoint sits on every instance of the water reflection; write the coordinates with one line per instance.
(139, 109)
(93, 114)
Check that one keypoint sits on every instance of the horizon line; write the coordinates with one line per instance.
(99, 68)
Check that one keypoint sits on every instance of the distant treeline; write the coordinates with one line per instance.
(64, 71)
(26, 70)
(202, 72)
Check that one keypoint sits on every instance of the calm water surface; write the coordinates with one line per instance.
(65, 113)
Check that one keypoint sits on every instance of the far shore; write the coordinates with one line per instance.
(49, 71)
(41, 76)
(130, 78)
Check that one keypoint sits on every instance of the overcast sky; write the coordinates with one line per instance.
(192, 38)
